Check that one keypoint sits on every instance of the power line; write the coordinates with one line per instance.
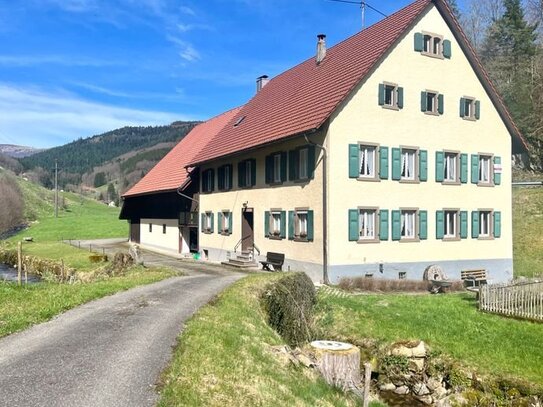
(363, 6)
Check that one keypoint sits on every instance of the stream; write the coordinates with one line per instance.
(8, 273)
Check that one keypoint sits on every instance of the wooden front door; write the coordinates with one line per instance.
(247, 232)
(135, 231)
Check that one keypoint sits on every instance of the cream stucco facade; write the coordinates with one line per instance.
(162, 235)
(360, 119)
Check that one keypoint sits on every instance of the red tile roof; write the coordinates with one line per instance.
(170, 172)
(303, 97)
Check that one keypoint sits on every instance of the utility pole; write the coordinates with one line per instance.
(363, 7)
(56, 189)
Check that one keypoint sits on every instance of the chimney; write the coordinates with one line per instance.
(321, 48)
(261, 81)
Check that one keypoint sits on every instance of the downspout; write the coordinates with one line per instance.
(325, 279)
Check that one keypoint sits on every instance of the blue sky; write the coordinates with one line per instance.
(75, 68)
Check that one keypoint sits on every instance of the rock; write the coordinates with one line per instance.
(387, 387)
(432, 383)
(28, 239)
(418, 350)
(416, 364)
(420, 389)
(439, 392)
(305, 360)
(425, 399)
(452, 400)
(402, 390)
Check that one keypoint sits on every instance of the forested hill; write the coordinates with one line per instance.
(83, 155)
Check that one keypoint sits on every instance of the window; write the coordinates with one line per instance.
(207, 222)
(225, 177)
(300, 225)
(367, 224)
(225, 222)
(408, 224)
(451, 225)
(275, 224)
(150, 228)
(408, 164)
(469, 108)
(485, 222)
(390, 96)
(402, 275)
(367, 161)
(485, 170)
(432, 102)
(247, 173)
(208, 180)
(433, 45)
(163, 229)
(302, 163)
(277, 168)
(450, 167)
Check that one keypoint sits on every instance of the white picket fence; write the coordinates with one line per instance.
(519, 299)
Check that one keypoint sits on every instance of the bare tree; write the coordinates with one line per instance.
(478, 17)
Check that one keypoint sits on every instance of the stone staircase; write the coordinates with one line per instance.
(243, 260)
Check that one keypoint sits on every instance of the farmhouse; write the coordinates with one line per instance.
(382, 155)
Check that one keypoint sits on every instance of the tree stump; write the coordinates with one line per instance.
(339, 363)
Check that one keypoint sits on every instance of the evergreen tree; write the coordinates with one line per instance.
(111, 193)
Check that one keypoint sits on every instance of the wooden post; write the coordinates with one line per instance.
(367, 382)
(19, 261)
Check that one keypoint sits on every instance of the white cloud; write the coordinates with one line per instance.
(32, 60)
(186, 50)
(42, 119)
(187, 10)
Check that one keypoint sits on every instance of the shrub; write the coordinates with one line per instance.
(289, 305)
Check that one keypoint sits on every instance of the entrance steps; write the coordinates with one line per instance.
(243, 260)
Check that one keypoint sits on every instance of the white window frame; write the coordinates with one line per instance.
(275, 223)
(303, 157)
(300, 230)
(208, 224)
(432, 45)
(368, 166)
(393, 89)
(450, 224)
(408, 224)
(367, 224)
(225, 227)
(469, 103)
(450, 166)
(434, 102)
(486, 224)
(408, 164)
(485, 168)
(277, 167)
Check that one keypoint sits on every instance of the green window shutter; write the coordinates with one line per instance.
(381, 96)
(423, 225)
(477, 109)
(311, 161)
(253, 172)
(497, 224)
(497, 174)
(475, 224)
(383, 162)
(354, 231)
(419, 42)
(354, 161)
(241, 171)
(463, 224)
(423, 165)
(447, 51)
(291, 225)
(269, 169)
(231, 175)
(283, 224)
(462, 101)
(292, 164)
(230, 223)
(267, 221)
(203, 220)
(212, 222)
(396, 163)
(474, 168)
(440, 166)
(310, 225)
(383, 224)
(283, 166)
(400, 97)
(220, 175)
(423, 102)
(396, 225)
(440, 103)
(463, 168)
(440, 224)
(219, 222)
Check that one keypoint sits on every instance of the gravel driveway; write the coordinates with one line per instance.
(108, 352)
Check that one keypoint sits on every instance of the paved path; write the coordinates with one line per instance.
(108, 352)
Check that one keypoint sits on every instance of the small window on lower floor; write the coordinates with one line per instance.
(275, 223)
(408, 224)
(225, 222)
(367, 224)
(485, 223)
(207, 222)
(301, 225)
(451, 225)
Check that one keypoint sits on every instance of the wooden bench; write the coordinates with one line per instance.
(275, 260)
(473, 279)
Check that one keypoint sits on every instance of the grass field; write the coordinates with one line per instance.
(23, 306)
(449, 323)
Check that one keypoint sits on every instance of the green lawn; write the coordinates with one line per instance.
(23, 306)
(448, 323)
(528, 231)
(223, 358)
